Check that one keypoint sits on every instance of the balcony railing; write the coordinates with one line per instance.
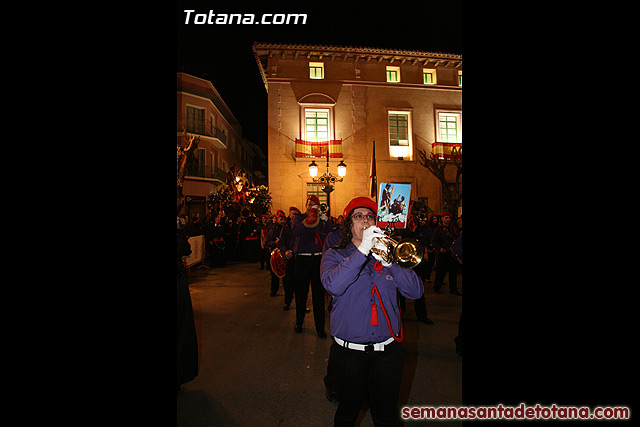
(204, 128)
(205, 171)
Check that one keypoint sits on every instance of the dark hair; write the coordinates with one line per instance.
(345, 232)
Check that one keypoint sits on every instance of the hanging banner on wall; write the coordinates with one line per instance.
(393, 205)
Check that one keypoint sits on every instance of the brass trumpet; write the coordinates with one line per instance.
(407, 253)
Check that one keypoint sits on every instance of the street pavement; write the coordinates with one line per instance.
(254, 370)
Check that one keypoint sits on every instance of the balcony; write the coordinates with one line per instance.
(447, 150)
(313, 149)
(206, 172)
(204, 129)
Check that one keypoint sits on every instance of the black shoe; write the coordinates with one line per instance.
(426, 320)
(458, 341)
(456, 293)
(298, 328)
(332, 395)
(285, 307)
(272, 294)
(321, 334)
(438, 291)
(307, 310)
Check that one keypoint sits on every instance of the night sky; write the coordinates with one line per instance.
(223, 55)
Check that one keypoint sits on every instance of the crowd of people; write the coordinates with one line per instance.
(251, 239)
(342, 257)
(228, 239)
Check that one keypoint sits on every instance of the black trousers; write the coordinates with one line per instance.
(446, 264)
(265, 255)
(420, 306)
(187, 349)
(428, 265)
(288, 281)
(458, 339)
(307, 270)
(375, 375)
(275, 282)
(216, 254)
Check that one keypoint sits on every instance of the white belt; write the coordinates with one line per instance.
(307, 254)
(379, 346)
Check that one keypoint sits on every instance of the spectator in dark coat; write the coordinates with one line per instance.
(187, 345)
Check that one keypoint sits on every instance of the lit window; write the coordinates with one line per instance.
(449, 126)
(316, 70)
(460, 78)
(399, 123)
(317, 130)
(393, 74)
(429, 76)
(316, 124)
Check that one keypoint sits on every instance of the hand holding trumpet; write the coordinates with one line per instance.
(381, 248)
(369, 236)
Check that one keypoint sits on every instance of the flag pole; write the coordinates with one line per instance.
(374, 180)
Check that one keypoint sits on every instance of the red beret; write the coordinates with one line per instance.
(445, 214)
(314, 198)
(280, 212)
(361, 202)
(293, 208)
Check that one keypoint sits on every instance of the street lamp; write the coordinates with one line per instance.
(313, 169)
(327, 180)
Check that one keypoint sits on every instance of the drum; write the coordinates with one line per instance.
(278, 264)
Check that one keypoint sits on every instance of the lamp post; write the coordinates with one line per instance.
(327, 180)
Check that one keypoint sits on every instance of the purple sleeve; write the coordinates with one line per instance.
(408, 282)
(338, 273)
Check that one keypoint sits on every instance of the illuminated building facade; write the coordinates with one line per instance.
(341, 99)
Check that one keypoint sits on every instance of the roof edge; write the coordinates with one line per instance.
(355, 49)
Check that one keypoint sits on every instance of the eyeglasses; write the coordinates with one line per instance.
(359, 216)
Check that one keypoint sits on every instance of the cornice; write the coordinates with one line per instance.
(354, 53)
(328, 49)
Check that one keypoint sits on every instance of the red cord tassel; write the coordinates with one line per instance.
(374, 315)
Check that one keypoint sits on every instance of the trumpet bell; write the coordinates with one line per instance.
(408, 253)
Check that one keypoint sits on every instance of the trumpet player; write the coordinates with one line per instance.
(366, 354)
